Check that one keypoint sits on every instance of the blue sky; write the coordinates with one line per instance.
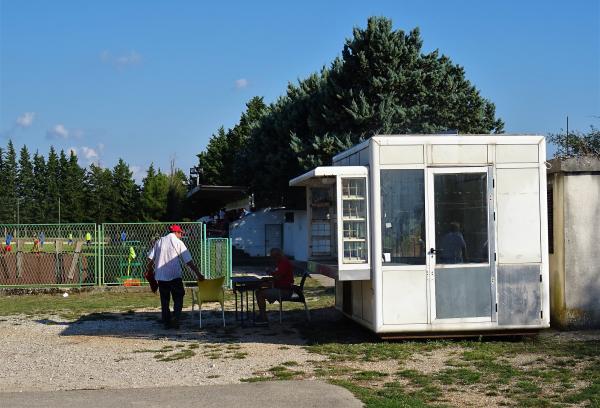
(152, 80)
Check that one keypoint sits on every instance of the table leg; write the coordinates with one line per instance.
(236, 312)
(253, 311)
(247, 307)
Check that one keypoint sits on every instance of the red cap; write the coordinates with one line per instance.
(175, 228)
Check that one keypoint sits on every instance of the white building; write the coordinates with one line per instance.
(258, 232)
(433, 234)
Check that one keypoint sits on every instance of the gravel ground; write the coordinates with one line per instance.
(53, 354)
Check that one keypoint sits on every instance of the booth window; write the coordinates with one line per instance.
(354, 219)
(321, 206)
(403, 217)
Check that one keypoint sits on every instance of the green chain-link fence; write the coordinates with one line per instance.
(125, 247)
(219, 259)
(34, 255)
(109, 254)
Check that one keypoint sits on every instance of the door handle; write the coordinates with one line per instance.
(432, 251)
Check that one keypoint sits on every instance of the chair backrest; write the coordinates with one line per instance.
(304, 276)
(211, 290)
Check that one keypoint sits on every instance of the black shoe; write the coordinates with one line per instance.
(175, 324)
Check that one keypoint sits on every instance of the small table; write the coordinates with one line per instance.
(245, 284)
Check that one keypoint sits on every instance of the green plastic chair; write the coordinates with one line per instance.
(209, 290)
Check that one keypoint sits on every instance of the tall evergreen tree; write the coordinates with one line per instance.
(53, 184)
(175, 195)
(25, 187)
(5, 215)
(99, 195)
(383, 83)
(39, 189)
(74, 190)
(124, 193)
(223, 162)
(10, 189)
(154, 195)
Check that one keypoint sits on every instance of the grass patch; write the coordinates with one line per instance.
(77, 304)
(179, 355)
(283, 373)
(463, 376)
(164, 349)
(255, 379)
(368, 375)
(390, 396)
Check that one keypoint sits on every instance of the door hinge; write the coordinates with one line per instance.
(493, 183)
(496, 307)
(494, 256)
(540, 278)
(494, 215)
(541, 314)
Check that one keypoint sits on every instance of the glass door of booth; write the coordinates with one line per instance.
(460, 251)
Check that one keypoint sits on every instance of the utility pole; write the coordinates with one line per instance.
(567, 137)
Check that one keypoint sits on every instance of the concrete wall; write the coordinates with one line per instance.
(582, 247)
(574, 266)
(557, 257)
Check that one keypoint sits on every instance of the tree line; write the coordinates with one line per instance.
(34, 189)
(383, 83)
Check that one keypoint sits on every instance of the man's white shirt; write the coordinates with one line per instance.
(165, 254)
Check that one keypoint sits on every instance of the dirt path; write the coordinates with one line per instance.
(133, 351)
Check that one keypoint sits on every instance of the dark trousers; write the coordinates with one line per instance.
(167, 289)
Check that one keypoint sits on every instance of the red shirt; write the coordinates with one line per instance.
(284, 274)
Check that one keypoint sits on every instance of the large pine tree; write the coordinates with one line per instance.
(25, 187)
(10, 174)
(383, 83)
(155, 189)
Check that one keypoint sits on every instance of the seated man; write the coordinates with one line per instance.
(282, 283)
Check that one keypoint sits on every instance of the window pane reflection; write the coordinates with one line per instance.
(461, 218)
(403, 217)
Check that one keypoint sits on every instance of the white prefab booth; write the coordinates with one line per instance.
(434, 234)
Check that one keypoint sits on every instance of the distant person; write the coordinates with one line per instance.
(88, 238)
(164, 260)
(70, 238)
(283, 280)
(452, 248)
(36, 244)
(123, 236)
(42, 238)
(9, 238)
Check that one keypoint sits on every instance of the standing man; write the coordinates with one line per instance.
(164, 259)
(283, 280)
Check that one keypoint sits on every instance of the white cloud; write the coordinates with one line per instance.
(58, 131)
(241, 83)
(26, 119)
(89, 153)
(121, 61)
(138, 173)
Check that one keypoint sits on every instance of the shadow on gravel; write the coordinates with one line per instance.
(326, 325)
